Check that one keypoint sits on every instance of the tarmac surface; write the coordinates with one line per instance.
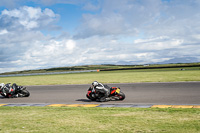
(163, 95)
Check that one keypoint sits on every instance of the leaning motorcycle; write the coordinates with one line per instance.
(13, 91)
(115, 94)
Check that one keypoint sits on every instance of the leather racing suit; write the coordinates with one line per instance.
(104, 90)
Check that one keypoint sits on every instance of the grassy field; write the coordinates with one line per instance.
(122, 76)
(104, 68)
(104, 120)
(93, 120)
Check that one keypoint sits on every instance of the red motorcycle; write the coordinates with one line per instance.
(115, 94)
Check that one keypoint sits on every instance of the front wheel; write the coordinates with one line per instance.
(91, 98)
(25, 93)
(121, 96)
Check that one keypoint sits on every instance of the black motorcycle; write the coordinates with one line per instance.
(115, 94)
(13, 91)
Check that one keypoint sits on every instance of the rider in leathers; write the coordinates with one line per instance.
(103, 89)
(8, 90)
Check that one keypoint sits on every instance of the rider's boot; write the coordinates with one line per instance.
(15, 96)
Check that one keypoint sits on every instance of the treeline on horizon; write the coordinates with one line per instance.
(106, 67)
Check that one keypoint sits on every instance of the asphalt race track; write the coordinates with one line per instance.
(178, 93)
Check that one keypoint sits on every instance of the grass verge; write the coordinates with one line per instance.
(122, 76)
(106, 120)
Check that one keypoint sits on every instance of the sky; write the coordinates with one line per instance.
(37, 34)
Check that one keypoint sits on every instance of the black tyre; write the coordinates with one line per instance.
(92, 99)
(25, 93)
(121, 96)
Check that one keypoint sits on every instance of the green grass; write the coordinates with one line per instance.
(104, 120)
(92, 120)
(104, 67)
(122, 76)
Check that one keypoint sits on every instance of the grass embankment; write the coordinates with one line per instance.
(122, 76)
(106, 120)
(104, 68)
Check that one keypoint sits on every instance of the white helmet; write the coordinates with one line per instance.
(95, 83)
(2, 85)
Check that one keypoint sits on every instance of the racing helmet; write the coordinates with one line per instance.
(2, 85)
(95, 83)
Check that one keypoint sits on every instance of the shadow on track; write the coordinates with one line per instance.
(84, 100)
(1, 97)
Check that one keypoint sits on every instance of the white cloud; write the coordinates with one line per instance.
(123, 17)
(4, 31)
(110, 31)
(70, 45)
(160, 43)
(19, 32)
(51, 53)
(28, 18)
